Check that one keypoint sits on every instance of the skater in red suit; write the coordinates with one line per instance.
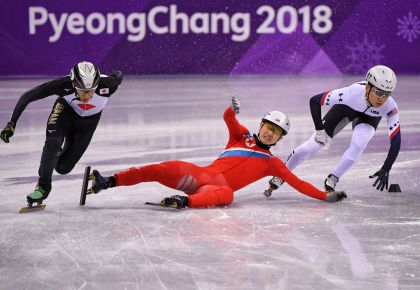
(246, 159)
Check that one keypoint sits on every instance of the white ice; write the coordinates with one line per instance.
(371, 240)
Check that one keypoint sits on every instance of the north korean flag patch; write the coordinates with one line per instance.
(104, 91)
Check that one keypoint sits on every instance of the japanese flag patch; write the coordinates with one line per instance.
(104, 91)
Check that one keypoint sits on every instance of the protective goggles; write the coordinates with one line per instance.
(86, 90)
(274, 128)
(381, 94)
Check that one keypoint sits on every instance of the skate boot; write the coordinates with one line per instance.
(100, 182)
(175, 201)
(40, 193)
(274, 184)
(330, 183)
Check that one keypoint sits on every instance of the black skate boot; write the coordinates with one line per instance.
(175, 201)
(100, 182)
(330, 183)
(40, 193)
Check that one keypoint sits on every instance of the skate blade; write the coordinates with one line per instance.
(162, 206)
(32, 208)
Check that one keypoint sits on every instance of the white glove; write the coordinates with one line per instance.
(235, 105)
(321, 137)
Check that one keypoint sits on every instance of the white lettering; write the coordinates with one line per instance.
(174, 17)
(57, 26)
(137, 33)
(215, 17)
(90, 23)
(196, 18)
(151, 21)
(33, 21)
(75, 23)
(167, 19)
(110, 23)
(243, 31)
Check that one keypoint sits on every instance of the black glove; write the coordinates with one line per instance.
(7, 132)
(335, 196)
(381, 181)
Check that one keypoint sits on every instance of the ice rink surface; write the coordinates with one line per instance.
(371, 240)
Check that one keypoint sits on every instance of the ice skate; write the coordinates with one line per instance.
(173, 202)
(99, 183)
(40, 193)
(330, 183)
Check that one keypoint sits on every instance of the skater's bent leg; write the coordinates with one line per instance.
(361, 136)
(58, 126)
(211, 195)
(302, 152)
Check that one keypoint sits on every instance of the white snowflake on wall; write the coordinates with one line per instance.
(363, 55)
(409, 27)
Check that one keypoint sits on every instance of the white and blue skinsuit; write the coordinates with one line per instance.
(349, 104)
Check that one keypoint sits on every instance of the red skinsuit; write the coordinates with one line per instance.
(241, 163)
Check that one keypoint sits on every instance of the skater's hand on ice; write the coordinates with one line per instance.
(321, 137)
(381, 181)
(275, 183)
(7, 132)
(335, 196)
(235, 105)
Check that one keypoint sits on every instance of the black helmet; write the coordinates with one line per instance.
(85, 76)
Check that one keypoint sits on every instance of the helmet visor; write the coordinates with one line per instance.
(86, 90)
(380, 93)
(274, 128)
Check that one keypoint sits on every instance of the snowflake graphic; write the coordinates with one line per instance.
(409, 27)
(363, 55)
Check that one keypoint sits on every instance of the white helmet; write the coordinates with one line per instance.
(382, 77)
(278, 118)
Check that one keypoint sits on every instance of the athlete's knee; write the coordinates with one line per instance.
(64, 168)
(359, 145)
(225, 195)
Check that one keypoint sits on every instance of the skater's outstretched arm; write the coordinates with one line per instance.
(61, 86)
(281, 171)
(236, 130)
(382, 175)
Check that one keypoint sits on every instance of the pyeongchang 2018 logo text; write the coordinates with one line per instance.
(161, 20)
